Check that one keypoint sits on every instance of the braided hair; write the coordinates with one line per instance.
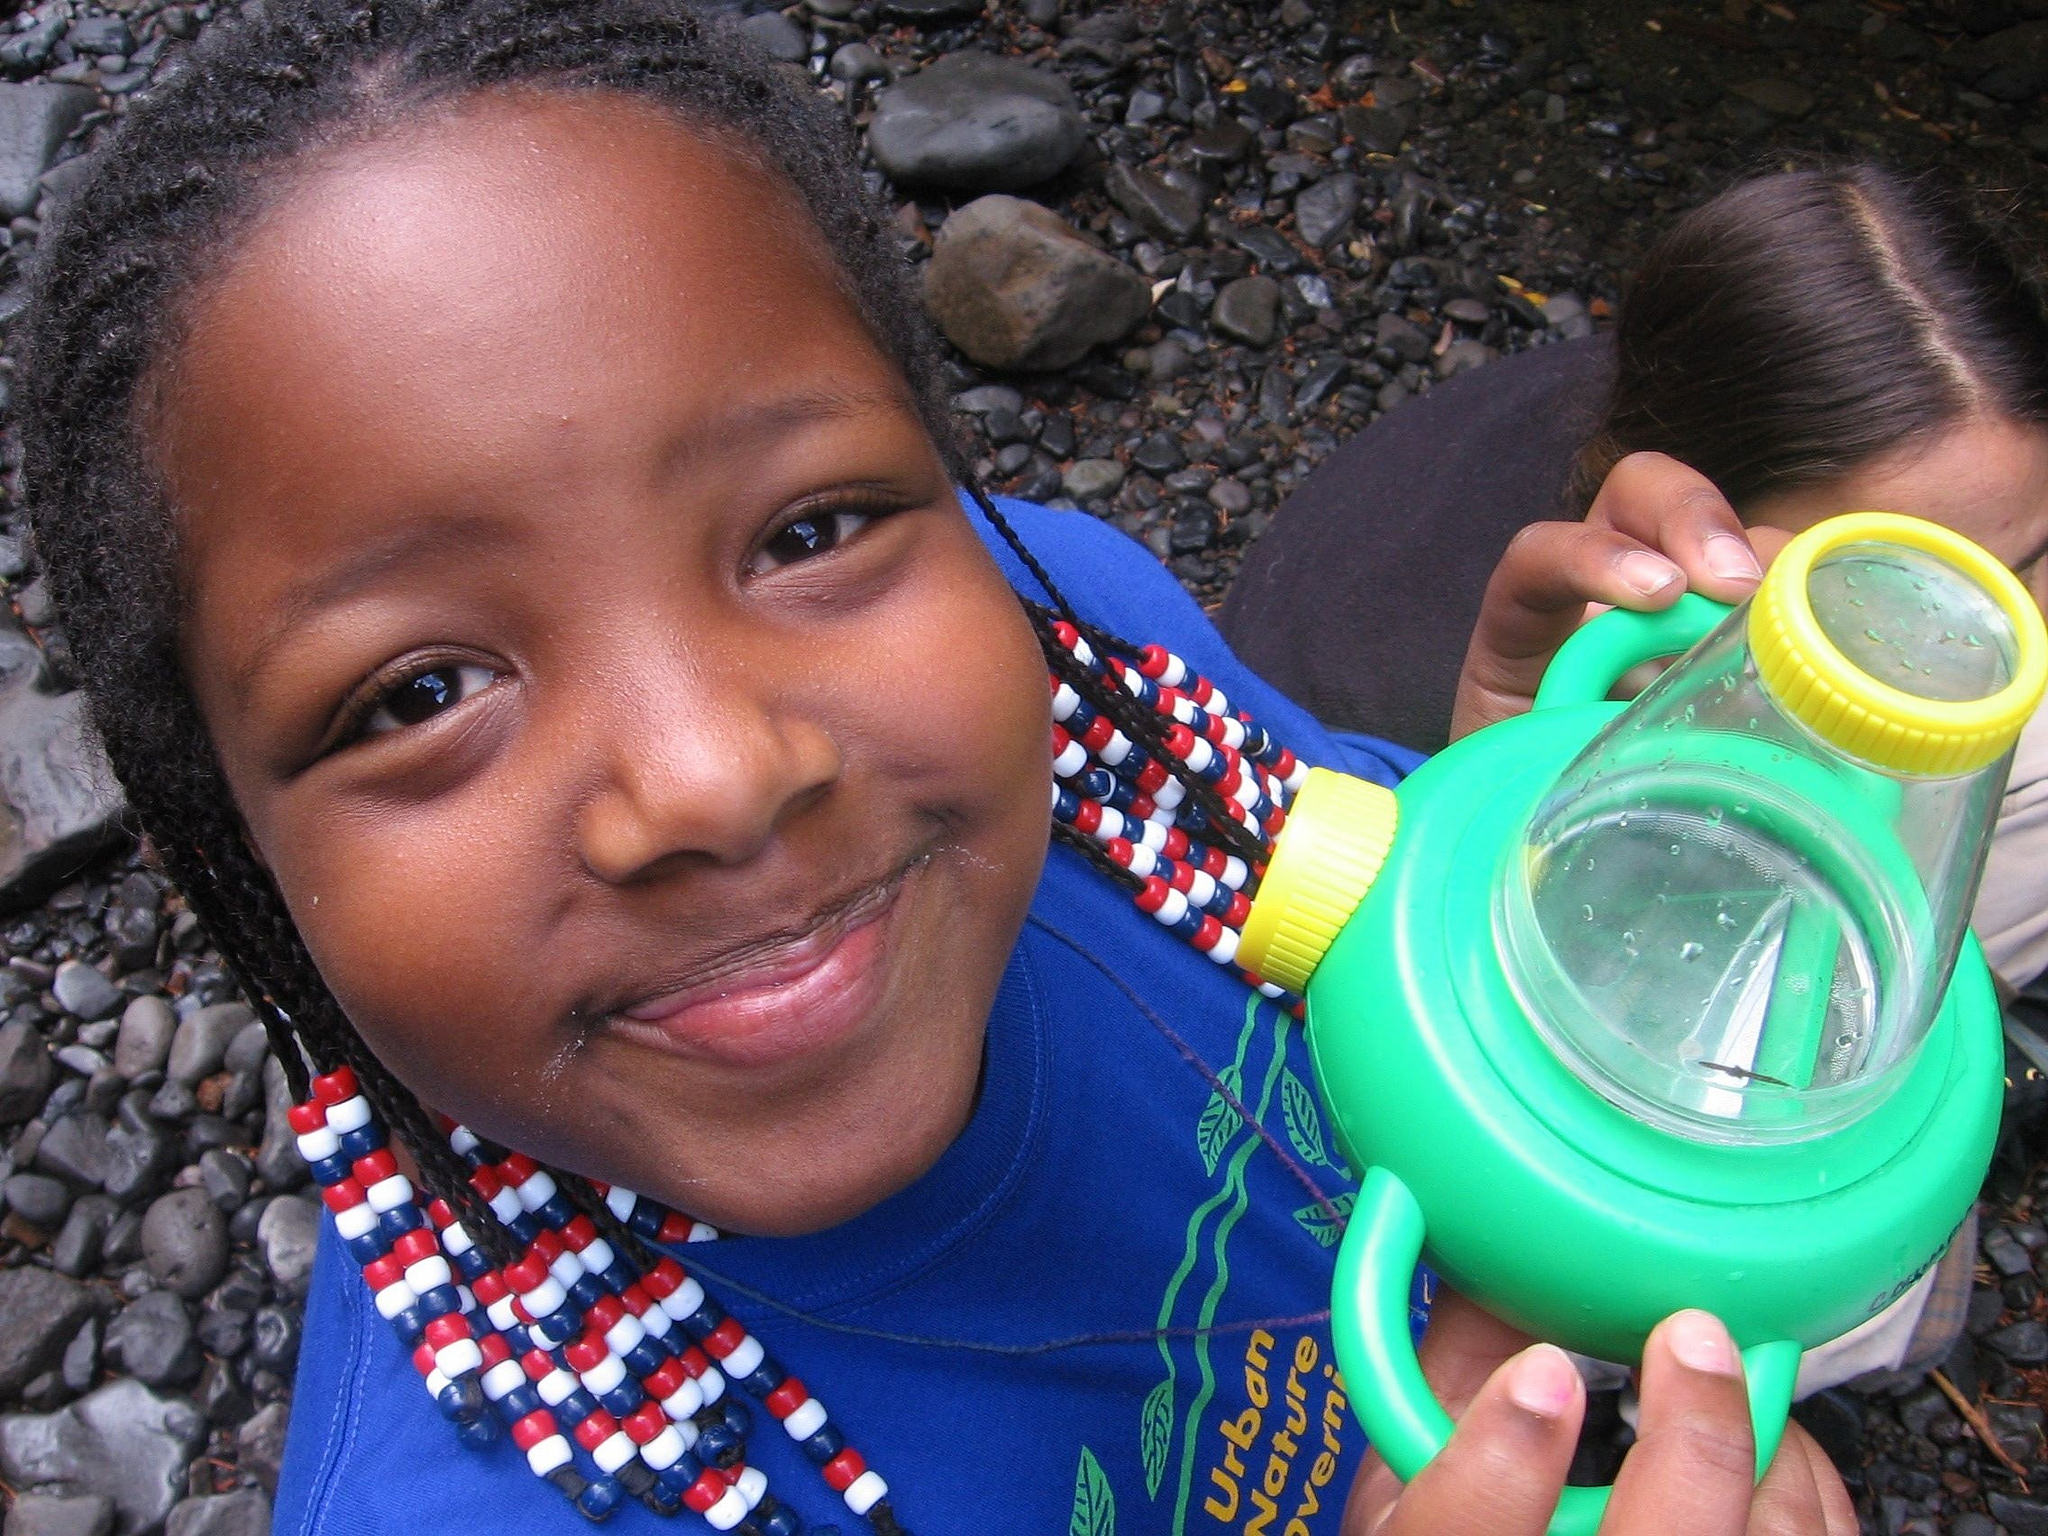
(185, 173)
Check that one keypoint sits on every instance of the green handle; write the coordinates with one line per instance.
(1375, 1351)
(1587, 666)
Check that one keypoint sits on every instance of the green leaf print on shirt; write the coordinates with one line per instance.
(1304, 1122)
(1220, 1122)
(1156, 1434)
(1315, 1219)
(1094, 1503)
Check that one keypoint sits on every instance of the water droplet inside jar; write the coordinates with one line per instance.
(1691, 951)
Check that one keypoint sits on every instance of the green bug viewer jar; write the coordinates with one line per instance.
(1630, 1009)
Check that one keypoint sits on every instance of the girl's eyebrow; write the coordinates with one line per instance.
(755, 420)
(431, 535)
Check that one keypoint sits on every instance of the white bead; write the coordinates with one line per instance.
(1224, 950)
(596, 1256)
(456, 1239)
(1296, 779)
(1182, 709)
(1233, 732)
(728, 1512)
(865, 1492)
(1112, 824)
(1143, 860)
(351, 1114)
(429, 1272)
(712, 1385)
(1219, 701)
(567, 1269)
(664, 1450)
(1172, 910)
(684, 1401)
(1064, 702)
(389, 1194)
(625, 1334)
(657, 1322)
(544, 1298)
(395, 1298)
(1151, 835)
(808, 1418)
(751, 1483)
(1175, 673)
(436, 1381)
(502, 1378)
(1200, 754)
(537, 1190)
(501, 1314)
(1116, 749)
(1245, 791)
(1169, 795)
(315, 1145)
(555, 1386)
(605, 1375)
(688, 1430)
(459, 1358)
(506, 1207)
(684, 1299)
(1083, 652)
(463, 1140)
(701, 1232)
(743, 1360)
(613, 1452)
(1071, 759)
(1234, 872)
(467, 1297)
(620, 1201)
(356, 1221)
(550, 1455)
(1271, 989)
(1200, 889)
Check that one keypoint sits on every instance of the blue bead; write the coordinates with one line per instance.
(623, 1398)
(1219, 901)
(765, 1377)
(1188, 926)
(519, 1402)
(719, 1446)
(1066, 805)
(577, 1406)
(409, 1324)
(1098, 783)
(329, 1170)
(449, 1401)
(1193, 819)
(662, 1499)
(825, 1444)
(587, 1292)
(600, 1498)
(556, 1329)
(399, 1220)
(705, 1320)
(645, 1221)
(440, 1300)
(477, 1434)
(737, 1419)
(362, 1141)
(620, 1275)
(1135, 762)
(681, 1472)
(368, 1248)
(472, 1263)
(556, 1211)
(1076, 725)
(780, 1523)
(636, 1477)
(645, 1358)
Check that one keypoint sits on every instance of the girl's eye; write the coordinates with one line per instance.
(817, 533)
(424, 695)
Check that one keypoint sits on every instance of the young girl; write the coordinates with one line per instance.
(496, 481)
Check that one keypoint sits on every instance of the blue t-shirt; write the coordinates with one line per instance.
(1102, 1310)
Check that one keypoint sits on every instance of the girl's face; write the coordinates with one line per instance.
(652, 757)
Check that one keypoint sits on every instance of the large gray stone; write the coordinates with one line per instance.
(1324, 212)
(1248, 310)
(245, 1512)
(61, 802)
(151, 1339)
(39, 1313)
(289, 1233)
(144, 1043)
(45, 1514)
(977, 123)
(202, 1041)
(35, 118)
(25, 1071)
(185, 1242)
(1169, 207)
(85, 991)
(122, 1441)
(1013, 286)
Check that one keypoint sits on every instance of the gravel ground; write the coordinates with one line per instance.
(1251, 229)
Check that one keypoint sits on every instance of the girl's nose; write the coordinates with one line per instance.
(698, 781)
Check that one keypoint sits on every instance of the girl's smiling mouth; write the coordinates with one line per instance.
(774, 999)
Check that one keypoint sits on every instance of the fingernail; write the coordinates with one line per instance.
(1542, 1381)
(1648, 574)
(1731, 558)
(1700, 1342)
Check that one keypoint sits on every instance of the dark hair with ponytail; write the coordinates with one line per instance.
(187, 171)
(1802, 323)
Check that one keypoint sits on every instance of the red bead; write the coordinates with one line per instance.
(1176, 843)
(587, 1353)
(375, 1168)
(645, 1422)
(417, 1244)
(1060, 738)
(538, 1364)
(666, 1379)
(706, 1491)
(604, 1313)
(599, 1427)
(1141, 806)
(786, 1398)
(694, 1361)
(548, 1244)
(725, 1338)
(580, 1234)
(1096, 737)
(495, 1350)
(336, 1086)
(526, 1274)
(382, 1272)
(663, 1279)
(1180, 877)
(490, 1288)
(306, 1118)
(534, 1428)
(1152, 777)
(1240, 909)
(1087, 816)
(517, 1168)
(447, 1123)
(675, 1228)
(1274, 823)
(1180, 741)
(636, 1300)
(1153, 895)
(1285, 763)
(1200, 687)
(1066, 634)
(439, 1213)
(448, 1328)
(1152, 662)
(842, 1469)
(485, 1182)
(342, 1195)
(1230, 780)
(1208, 933)
(1119, 848)
(1214, 862)
(423, 1358)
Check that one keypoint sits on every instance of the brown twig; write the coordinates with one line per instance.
(1974, 1417)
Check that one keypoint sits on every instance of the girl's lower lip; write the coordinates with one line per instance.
(764, 1023)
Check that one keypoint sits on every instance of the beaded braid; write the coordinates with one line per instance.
(532, 1300)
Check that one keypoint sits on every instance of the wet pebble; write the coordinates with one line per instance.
(185, 1242)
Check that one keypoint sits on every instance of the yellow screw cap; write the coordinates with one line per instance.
(1809, 677)
(1338, 831)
